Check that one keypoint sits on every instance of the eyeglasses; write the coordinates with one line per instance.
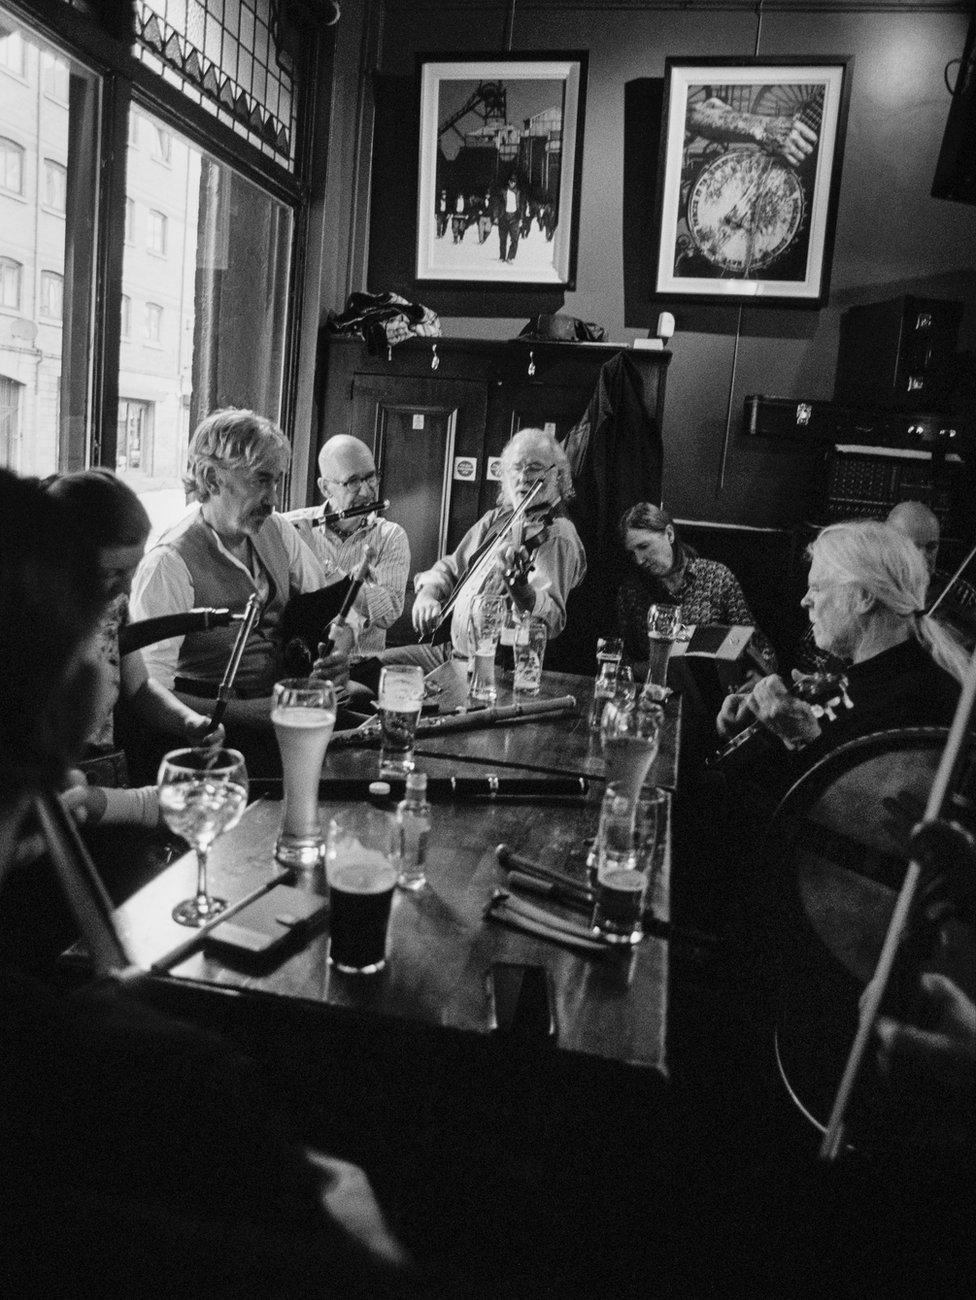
(530, 468)
(354, 480)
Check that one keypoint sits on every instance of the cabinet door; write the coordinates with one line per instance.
(427, 437)
(517, 406)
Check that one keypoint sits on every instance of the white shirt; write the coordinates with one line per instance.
(163, 585)
(380, 600)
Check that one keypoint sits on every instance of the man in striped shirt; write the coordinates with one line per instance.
(348, 478)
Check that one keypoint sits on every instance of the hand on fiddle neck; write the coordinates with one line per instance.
(512, 567)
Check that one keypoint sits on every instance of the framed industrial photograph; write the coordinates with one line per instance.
(749, 177)
(501, 150)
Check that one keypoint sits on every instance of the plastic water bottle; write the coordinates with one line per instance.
(411, 833)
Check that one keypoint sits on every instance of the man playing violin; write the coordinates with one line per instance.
(538, 583)
(348, 480)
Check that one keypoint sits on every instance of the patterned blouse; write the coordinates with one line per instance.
(708, 592)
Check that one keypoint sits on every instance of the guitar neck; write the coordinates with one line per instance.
(811, 114)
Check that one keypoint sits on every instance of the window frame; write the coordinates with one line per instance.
(17, 149)
(128, 84)
(152, 311)
(50, 166)
(160, 226)
(11, 263)
(46, 279)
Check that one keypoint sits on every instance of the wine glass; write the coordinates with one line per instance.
(202, 793)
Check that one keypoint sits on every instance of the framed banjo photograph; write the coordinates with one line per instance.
(749, 177)
(501, 150)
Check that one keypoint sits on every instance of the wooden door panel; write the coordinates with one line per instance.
(523, 406)
(417, 430)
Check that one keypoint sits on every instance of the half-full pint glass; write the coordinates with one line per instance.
(303, 716)
(487, 617)
(401, 698)
(622, 869)
(361, 880)
(630, 733)
(663, 628)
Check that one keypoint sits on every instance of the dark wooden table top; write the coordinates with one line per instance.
(611, 1006)
(563, 746)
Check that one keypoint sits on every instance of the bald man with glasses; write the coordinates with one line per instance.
(348, 479)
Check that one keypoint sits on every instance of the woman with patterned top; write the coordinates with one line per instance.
(668, 571)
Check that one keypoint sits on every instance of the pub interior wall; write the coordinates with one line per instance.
(891, 238)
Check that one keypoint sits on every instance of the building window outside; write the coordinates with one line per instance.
(13, 54)
(130, 221)
(162, 143)
(11, 166)
(9, 418)
(55, 186)
(126, 316)
(11, 275)
(52, 295)
(55, 77)
(134, 445)
(153, 326)
(158, 224)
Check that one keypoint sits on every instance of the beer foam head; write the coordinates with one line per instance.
(360, 871)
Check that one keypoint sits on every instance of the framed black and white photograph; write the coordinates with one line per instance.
(501, 148)
(749, 177)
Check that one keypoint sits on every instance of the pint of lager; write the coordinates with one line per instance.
(303, 717)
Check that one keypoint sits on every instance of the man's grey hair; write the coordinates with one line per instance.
(232, 438)
(554, 453)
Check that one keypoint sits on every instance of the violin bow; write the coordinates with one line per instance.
(925, 847)
(227, 685)
(475, 576)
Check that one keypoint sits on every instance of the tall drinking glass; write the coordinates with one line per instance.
(663, 629)
(624, 864)
(531, 635)
(303, 716)
(609, 653)
(630, 734)
(202, 793)
(487, 619)
(401, 698)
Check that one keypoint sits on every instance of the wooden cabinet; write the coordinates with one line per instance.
(437, 413)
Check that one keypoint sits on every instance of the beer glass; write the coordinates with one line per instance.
(303, 715)
(531, 635)
(401, 698)
(202, 793)
(663, 629)
(630, 733)
(361, 876)
(487, 618)
(620, 872)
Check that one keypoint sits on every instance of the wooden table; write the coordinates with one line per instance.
(612, 1006)
(563, 746)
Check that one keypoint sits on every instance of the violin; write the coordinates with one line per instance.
(533, 533)
(824, 692)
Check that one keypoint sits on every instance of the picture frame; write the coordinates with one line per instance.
(500, 161)
(748, 180)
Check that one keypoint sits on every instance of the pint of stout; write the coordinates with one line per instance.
(361, 880)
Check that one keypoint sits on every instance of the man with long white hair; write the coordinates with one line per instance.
(866, 603)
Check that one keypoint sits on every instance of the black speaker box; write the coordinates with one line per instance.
(955, 173)
(898, 354)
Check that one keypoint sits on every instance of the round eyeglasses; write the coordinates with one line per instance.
(356, 480)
